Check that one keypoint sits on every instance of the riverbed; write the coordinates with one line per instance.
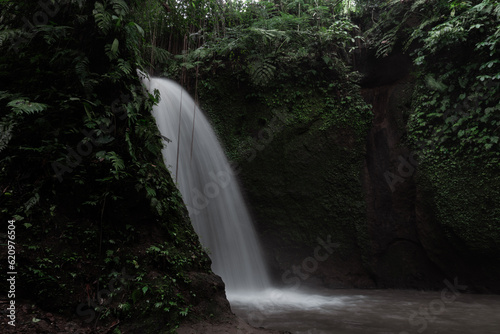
(449, 311)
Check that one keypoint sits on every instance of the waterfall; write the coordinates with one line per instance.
(209, 188)
(220, 217)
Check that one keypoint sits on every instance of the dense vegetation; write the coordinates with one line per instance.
(454, 123)
(455, 53)
(81, 169)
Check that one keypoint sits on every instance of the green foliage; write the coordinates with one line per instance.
(454, 47)
(283, 61)
(256, 53)
(23, 106)
(278, 89)
(469, 221)
(456, 108)
(261, 71)
(81, 168)
(178, 28)
(454, 122)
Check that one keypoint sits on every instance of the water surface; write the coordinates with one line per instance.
(370, 311)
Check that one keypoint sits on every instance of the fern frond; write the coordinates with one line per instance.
(8, 35)
(417, 4)
(82, 67)
(120, 7)
(52, 34)
(267, 35)
(387, 43)
(124, 66)
(497, 11)
(83, 73)
(5, 133)
(112, 50)
(116, 161)
(160, 56)
(151, 193)
(261, 71)
(23, 106)
(5, 94)
(80, 19)
(102, 18)
(203, 52)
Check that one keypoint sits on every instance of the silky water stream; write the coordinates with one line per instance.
(220, 217)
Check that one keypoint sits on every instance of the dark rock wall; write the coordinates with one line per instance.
(395, 254)
(341, 209)
(458, 212)
(305, 191)
(423, 221)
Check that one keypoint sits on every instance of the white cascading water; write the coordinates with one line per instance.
(220, 218)
(209, 188)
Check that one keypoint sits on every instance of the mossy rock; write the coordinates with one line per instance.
(458, 201)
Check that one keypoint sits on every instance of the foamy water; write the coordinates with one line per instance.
(277, 300)
(370, 312)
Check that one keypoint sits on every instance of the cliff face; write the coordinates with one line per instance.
(339, 207)
(457, 219)
(426, 220)
(396, 256)
(305, 191)
(299, 147)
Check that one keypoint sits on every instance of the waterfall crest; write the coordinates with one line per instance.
(209, 188)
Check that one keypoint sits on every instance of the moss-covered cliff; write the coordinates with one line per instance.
(457, 206)
(298, 145)
(102, 235)
(409, 200)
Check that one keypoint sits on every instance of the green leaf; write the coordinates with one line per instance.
(114, 46)
(151, 192)
(23, 106)
(154, 248)
(435, 84)
(139, 28)
(184, 312)
(116, 160)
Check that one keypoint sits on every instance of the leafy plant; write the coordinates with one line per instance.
(458, 113)
(23, 106)
(70, 94)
